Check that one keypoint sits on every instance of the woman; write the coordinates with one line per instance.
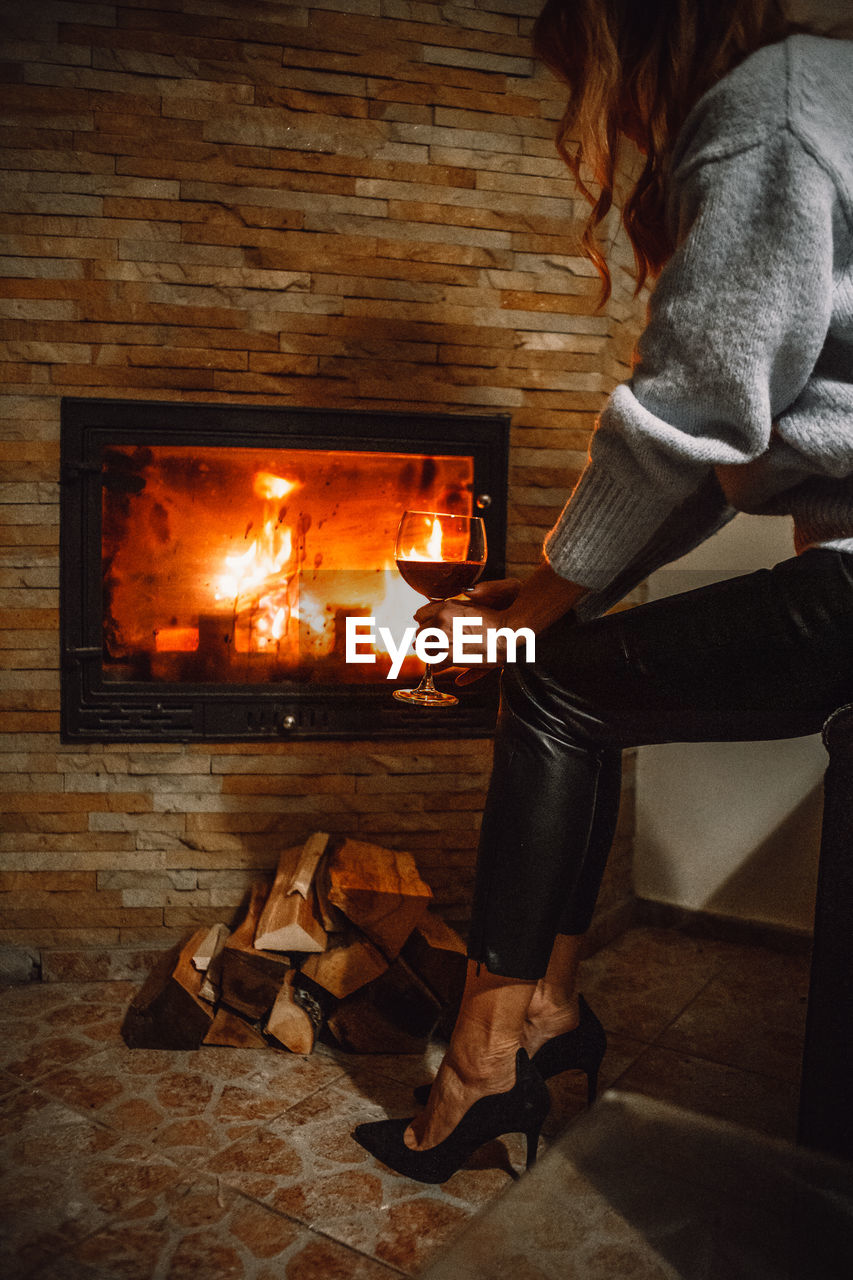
(741, 399)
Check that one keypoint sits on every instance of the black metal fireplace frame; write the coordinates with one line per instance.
(97, 711)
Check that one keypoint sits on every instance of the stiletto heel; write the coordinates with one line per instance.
(522, 1109)
(581, 1049)
(532, 1146)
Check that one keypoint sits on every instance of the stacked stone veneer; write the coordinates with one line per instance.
(337, 202)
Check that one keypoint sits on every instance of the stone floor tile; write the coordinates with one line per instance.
(569, 1090)
(408, 1069)
(325, 1260)
(9, 1084)
(640, 983)
(63, 1177)
(45, 1026)
(306, 1165)
(580, 1237)
(146, 1219)
(410, 1231)
(188, 1104)
(204, 1232)
(713, 1089)
(751, 1016)
(241, 1163)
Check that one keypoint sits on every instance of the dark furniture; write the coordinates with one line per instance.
(826, 1095)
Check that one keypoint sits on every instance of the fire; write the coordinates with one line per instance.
(433, 544)
(239, 564)
(269, 486)
(280, 607)
(266, 558)
(260, 580)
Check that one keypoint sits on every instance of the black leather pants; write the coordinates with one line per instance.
(768, 655)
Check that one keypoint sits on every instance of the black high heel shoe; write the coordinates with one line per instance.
(522, 1109)
(581, 1049)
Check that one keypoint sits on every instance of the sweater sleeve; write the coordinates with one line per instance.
(736, 323)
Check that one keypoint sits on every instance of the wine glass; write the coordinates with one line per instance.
(438, 555)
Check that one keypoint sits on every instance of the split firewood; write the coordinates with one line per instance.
(379, 890)
(211, 987)
(345, 966)
(289, 1022)
(332, 919)
(438, 956)
(168, 1012)
(211, 943)
(230, 1030)
(250, 978)
(208, 959)
(393, 1014)
(290, 919)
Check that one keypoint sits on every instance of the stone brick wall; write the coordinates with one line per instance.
(328, 202)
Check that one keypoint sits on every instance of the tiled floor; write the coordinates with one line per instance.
(126, 1164)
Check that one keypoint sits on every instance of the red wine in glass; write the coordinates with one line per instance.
(439, 555)
(440, 579)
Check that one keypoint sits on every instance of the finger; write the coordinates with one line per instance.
(491, 585)
(498, 595)
(470, 674)
(428, 612)
(440, 613)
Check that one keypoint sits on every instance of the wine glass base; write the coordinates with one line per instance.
(433, 698)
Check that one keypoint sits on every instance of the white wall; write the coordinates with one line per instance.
(731, 828)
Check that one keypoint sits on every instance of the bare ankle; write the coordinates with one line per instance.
(548, 1004)
(482, 1066)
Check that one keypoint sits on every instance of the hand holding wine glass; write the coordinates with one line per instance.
(438, 555)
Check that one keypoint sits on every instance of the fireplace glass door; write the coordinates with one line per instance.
(212, 555)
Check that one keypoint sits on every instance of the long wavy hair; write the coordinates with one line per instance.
(634, 68)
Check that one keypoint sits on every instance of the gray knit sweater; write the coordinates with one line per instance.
(742, 395)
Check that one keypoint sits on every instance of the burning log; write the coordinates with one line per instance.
(379, 890)
(215, 645)
(290, 919)
(251, 978)
(168, 1012)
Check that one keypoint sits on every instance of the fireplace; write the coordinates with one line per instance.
(211, 555)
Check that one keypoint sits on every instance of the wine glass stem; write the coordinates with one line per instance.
(426, 685)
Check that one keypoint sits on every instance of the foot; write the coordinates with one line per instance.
(456, 1088)
(546, 1018)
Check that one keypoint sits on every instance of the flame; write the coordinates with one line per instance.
(279, 623)
(259, 581)
(268, 486)
(265, 558)
(282, 610)
(433, 545)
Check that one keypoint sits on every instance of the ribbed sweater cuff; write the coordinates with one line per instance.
(602, 528)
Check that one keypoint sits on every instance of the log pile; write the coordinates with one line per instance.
(342, 945)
